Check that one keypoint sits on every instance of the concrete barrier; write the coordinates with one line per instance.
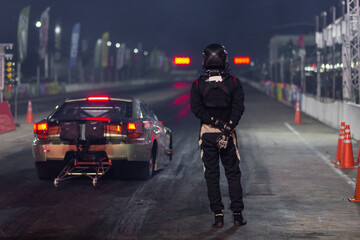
(330, 112)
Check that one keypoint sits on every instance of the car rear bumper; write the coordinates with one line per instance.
(115, 152)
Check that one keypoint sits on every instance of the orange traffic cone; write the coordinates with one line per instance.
(297, 114)
(356, 198)
(340, 144)
(358, 156)
(29, 116)
(347, 158)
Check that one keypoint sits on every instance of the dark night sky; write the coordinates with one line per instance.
(179, 27)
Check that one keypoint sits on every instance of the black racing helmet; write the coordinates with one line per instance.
(215, 57)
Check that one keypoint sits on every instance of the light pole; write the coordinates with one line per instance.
(38, 25)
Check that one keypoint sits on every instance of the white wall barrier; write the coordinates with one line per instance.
(352, 117)
(330, 112)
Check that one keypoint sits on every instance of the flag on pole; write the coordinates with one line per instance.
(97, 54)
(105, 50)
(44, 29)
(120, 57)
(22, 33)
(75, 36)
(57, 41)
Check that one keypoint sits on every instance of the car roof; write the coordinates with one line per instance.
(110, 99)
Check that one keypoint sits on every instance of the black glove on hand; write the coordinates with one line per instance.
(222, 141)
(225, 128)
(217, 123)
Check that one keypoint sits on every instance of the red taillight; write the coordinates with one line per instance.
(131, 126)
(41, 129)
(98, 98)
(135, 130)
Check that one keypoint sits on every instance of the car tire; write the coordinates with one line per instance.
(148, 167)
(170, 148)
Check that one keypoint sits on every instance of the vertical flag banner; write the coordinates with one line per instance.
(58, 40)
(75, 36)
(128, 61)
(84, 45)
(22, 33)
(2, 73)
(97, 54)
(120, 57)
(44, 29)
(105, 50)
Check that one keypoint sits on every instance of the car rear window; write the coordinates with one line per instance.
(78, 110)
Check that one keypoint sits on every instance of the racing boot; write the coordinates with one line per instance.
(238, 219)
(219, 219)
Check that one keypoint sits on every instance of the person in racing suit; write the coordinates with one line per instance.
(217, 99)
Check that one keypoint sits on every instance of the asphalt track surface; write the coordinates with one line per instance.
(291, 191)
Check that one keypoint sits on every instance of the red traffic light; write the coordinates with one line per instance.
(181, 60)
(242, 60)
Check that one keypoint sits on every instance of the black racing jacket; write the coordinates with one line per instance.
(222, 100)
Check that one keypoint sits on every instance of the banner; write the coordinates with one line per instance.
(319, 39)
(120, 56)
(105, 50)
(44, 30)
(57, 40)
(75, 36)
(22, 33)
(97, 54)
(6, 118)
(2, 73)
(128, 61)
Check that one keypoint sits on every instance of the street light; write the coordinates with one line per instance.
(146, 53)
(57, 29)
(108, 43)
(117, 45)
(136, 50)
(38, 24)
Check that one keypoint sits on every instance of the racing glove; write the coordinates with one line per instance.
(225, 128)
(222, 141)
(217, 123)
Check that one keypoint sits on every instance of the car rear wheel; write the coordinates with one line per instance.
(148, 167)
(170, 148)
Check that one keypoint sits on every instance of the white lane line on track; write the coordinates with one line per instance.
(12, 139)
(322, 156)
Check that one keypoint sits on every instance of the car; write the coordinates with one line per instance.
(91, 136)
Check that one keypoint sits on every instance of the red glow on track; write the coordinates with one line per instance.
(181, 99)
(184, 112)
(179, 84)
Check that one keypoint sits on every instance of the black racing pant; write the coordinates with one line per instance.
(230, 161)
